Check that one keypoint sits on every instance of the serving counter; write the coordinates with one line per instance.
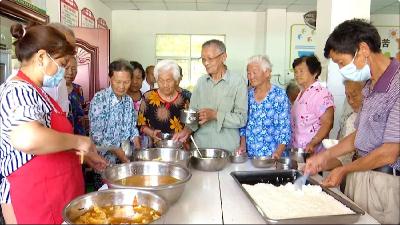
(214, 197)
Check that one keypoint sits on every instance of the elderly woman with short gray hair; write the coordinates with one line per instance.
(160, 108)
(267, 131)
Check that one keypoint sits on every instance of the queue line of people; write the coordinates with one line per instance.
(259, 120)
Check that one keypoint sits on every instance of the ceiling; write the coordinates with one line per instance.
(377, 6)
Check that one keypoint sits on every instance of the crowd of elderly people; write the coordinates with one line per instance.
(260, 119)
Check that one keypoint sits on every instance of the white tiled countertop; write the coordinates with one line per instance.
(215, 198)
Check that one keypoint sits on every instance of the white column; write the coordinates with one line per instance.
(331, 13)
(275, 44)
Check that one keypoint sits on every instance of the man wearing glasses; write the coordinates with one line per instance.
(221, 100)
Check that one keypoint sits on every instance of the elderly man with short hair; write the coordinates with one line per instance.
(221, 98)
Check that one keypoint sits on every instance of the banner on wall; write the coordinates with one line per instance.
(101, 23)
(87, 18)
(302, 42)
(390, 40)
(69, 13)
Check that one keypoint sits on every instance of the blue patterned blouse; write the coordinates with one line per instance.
(111, 120)
(268, 123)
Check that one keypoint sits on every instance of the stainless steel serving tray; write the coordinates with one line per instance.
(281, 177)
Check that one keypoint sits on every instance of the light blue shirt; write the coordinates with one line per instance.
(112, 120)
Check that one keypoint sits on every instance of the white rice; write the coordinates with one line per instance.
(284, 202)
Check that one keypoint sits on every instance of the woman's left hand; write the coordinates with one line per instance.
(95, 161)
(335, 177)
(310, 147)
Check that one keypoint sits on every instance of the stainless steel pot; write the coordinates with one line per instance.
(299, 155)
(189, 116)
(238, 158)
(173, 155)
(84, 203)
(263, 161)
(211, 159)
(170, 192)
(285, 163)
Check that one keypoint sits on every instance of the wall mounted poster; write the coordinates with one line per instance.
(87, 18)
(390, 40)
(69, 13)
(301, 42)
(101, 23)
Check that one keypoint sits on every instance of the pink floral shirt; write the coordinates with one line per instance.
(306, 112)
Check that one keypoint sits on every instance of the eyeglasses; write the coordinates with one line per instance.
(204, 60)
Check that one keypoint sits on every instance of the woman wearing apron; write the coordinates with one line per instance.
(39, 154)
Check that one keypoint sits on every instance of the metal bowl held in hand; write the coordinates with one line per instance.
(299, 155)
(120, 197)
(285, 163)
(170, 192)
(173, 155)
(263, 161)
(211, 159)
(189, 116)
(238, 158)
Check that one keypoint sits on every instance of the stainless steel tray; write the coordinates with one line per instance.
(281, 177)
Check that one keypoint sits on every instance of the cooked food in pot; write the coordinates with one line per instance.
(147, 180)
(119, 214)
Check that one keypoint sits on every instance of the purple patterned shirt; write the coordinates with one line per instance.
(379, 119)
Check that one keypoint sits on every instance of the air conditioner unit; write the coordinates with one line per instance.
(310, 19)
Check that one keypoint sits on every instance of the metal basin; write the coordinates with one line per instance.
(189, 116)
(170, 192)
(213, 159)
(173, 155)
(238, 158)
(168, 144)
(84, 203)
(285, 163)
(299, 155)
(263, 161)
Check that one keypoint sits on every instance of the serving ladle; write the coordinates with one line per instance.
(195, 145)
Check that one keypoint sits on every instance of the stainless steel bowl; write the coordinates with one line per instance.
(189, 116)
(173, 155)
(166, 136)
(211, 159)
(84, 203)
(168, 144)
(263, 161)
(238, 158)
(299, 155)
(170, 192)
(285, 163)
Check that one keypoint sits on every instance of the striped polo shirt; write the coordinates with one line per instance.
(379, 119)
(19, 103)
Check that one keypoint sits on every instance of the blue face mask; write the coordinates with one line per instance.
(350, 71)
(54, 80)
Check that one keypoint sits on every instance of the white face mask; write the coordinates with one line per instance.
(350, 71)
(53, 80)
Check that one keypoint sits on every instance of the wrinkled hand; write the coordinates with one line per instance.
(120, 155)
(206, 115)
(95, 161)
(136, 142)
(182, 136)
(315, 164)
(156, 135)
(335, 177)
(85, 145)
(310, 147)
(276, 155)
(240, 150)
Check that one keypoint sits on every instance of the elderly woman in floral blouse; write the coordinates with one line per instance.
(112, 117)
(160, 108)
(313, 110)
(267, 131)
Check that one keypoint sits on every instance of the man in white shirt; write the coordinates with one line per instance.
(148, 83)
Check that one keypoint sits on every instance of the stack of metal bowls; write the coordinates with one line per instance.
(170, 192)
(172, 155)
(263, 161)
(117, 197)
(210, 159)
(299, 155)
